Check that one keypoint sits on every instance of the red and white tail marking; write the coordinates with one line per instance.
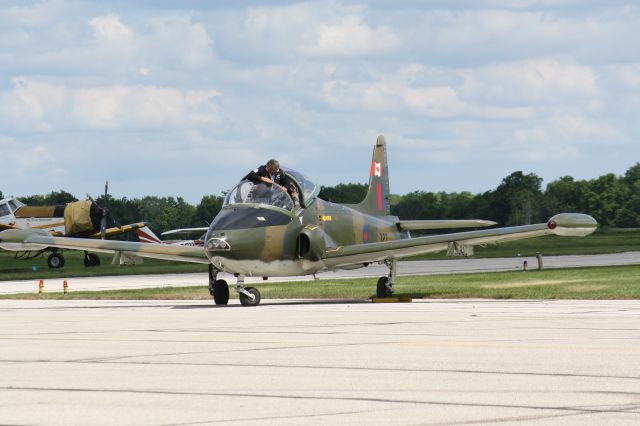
(145, 235)
(376, 169)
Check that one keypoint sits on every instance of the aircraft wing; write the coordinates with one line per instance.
(565, 224)
(34, 239)
(118, 230)
(411, 225)
(179, 231)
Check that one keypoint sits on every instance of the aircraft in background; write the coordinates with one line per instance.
(78, 219)
(262, 231)
(146, 235)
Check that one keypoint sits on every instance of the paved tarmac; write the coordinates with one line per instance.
(292, 362)
(426, 267)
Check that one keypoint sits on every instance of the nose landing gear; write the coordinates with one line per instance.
(249, 296)
(219, 290)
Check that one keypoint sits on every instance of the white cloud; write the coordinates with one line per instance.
(529, 82)
(34, 105)
(353, 37)
(177, 40)
(408, 91)
(109, 29)
(484, 85)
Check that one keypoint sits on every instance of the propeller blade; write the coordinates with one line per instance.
(103, 220)
(103, 225)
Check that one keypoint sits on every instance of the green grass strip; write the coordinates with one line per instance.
(615, 282)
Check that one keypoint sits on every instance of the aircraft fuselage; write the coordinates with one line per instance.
(267, 241)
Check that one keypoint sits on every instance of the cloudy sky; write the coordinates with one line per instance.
(183, 98)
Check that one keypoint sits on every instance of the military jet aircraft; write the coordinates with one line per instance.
(262, 231)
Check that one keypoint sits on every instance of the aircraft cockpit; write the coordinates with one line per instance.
(9, 206)
(247, 192)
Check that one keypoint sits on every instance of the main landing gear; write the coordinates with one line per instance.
(386, 284)
(219, 289)
(91, 259)
(55, 260)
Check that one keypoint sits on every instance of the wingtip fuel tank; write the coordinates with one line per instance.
(572, 224)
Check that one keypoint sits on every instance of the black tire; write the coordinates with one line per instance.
(91, 259)
(220, 292)
(382, 290)
(55, 261)
(246, 301)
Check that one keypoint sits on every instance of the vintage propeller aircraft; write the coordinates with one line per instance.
(78, 219)
(262, 231)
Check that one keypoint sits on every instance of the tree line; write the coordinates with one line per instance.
(614, 201)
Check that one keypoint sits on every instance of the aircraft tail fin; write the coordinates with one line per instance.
(376, 202)
(145, 235)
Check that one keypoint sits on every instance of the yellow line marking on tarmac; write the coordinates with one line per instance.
(401, 299)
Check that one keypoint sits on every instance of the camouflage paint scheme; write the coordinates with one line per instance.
(315, 235)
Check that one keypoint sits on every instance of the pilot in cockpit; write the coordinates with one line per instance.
(270, 173)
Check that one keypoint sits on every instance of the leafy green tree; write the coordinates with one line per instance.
(208, 208)
(517, 200)
(604, 196)
(344, 193)
(459, 205)
(565, 195)
(419, 205)
(53, 198)
(632, 176)
(166, 213)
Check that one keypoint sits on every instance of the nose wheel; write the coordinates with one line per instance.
(219, 290)
(250, 296)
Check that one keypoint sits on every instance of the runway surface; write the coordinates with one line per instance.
(427, 362)
(426, 267)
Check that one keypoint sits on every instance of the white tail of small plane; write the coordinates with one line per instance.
(146, 235)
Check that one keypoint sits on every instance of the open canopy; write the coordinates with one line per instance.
(247, 192)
